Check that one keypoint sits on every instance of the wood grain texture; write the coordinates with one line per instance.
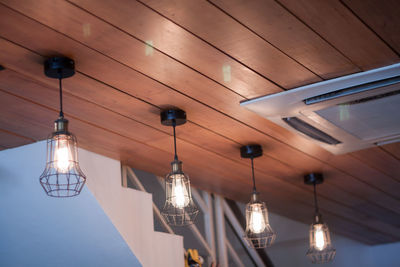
(9, 139)
(211, 24)
(368, 192)
(162, 34)
(381, 16)
(230, 128)
(122, 83)
(381, 160)
(393, 149)
(270, 20)
(336, 24)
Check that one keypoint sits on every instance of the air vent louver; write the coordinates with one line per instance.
(351, 90)
(371, 98)
(310, 131)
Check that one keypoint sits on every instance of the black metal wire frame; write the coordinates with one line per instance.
(242, 220)
(62, 184)
(178, 216)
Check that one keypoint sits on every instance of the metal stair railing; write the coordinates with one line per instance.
(214, 227)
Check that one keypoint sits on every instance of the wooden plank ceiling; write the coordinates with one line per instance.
(134, 58)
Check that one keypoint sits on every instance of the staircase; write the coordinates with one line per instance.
(131, 212)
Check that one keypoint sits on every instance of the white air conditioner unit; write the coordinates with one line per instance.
(343, 114)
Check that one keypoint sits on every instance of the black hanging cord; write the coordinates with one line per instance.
(60, 86)
(173, 126)
(252, 172)
(315, 199)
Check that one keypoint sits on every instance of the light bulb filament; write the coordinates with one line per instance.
(62, 155)
(180, 196)
(257, 220)
(319, 238)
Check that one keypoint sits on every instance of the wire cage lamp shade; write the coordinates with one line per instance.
(179, 208)
(258, 233)
(62, 176)
(321, 249)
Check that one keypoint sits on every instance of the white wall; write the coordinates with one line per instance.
(106, 225)
(37, 230)
(292, 243)
(131, 212)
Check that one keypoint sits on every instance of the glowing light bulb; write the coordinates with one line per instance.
(257, 220)
(62, 155)
(179, 196)
(319, 237)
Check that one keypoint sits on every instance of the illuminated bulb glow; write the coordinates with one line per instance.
(180, 196)
(319, 237)
(257, 220)
(62, 155)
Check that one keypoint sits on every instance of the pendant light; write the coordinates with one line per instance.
(179, 208)
(321, 249)
(62, 176)
(259, 233)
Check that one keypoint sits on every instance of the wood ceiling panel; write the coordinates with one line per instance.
(381, 160)
(292, 156)
(382, 16)
(114, 107)
(218, 29)
(10, 139)
(336, 24)
(269, 21)
(162, 34)
(369, 193)
(373, 177)
(393, 149)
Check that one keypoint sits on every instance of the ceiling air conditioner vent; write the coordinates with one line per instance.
(351, 90)
(361, 110)
(371, 98)
(310, 131)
